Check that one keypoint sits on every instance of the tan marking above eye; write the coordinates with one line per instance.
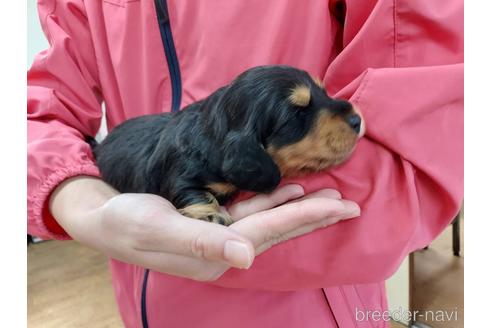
(300, 95)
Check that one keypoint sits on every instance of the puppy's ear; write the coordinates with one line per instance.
(247, 165)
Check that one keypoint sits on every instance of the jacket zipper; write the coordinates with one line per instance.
(175, 75)
(143, 300)
(329, 307)
(170, 51)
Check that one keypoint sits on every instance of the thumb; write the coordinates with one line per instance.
(202, 240)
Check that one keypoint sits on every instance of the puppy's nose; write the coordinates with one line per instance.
(354, 121)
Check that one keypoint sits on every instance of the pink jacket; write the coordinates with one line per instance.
(400, 61)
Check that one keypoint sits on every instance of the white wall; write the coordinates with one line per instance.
(36, 40)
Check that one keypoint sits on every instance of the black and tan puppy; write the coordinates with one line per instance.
(271, 121)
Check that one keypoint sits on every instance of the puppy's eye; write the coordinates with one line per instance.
(301, 112)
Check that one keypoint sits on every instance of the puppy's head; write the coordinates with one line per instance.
(294, 120)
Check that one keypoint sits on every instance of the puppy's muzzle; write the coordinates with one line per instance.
(356, 122)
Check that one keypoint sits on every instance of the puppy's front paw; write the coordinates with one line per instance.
(219, 218)
(207, 212)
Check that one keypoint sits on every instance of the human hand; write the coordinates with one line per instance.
(147, 230)
(295, 218)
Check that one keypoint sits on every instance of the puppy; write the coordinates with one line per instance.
(270, 122)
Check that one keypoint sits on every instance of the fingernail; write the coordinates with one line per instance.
(238, 254)
(352, 209)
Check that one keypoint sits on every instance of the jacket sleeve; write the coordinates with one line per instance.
(63, 107)
(406, 173)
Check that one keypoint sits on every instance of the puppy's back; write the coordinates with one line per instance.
(123, 155)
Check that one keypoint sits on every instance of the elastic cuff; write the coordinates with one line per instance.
(43, 224)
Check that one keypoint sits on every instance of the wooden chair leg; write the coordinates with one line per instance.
(456, 236)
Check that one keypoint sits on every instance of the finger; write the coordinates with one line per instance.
(272, 225)
(180, 235)
(323, 193)
(305, 230)
(329, 193)
(263, 202)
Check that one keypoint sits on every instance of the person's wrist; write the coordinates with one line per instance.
(79, 193)
(77, 203)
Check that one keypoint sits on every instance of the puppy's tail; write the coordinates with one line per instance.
(92, 142)
(94, 145)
